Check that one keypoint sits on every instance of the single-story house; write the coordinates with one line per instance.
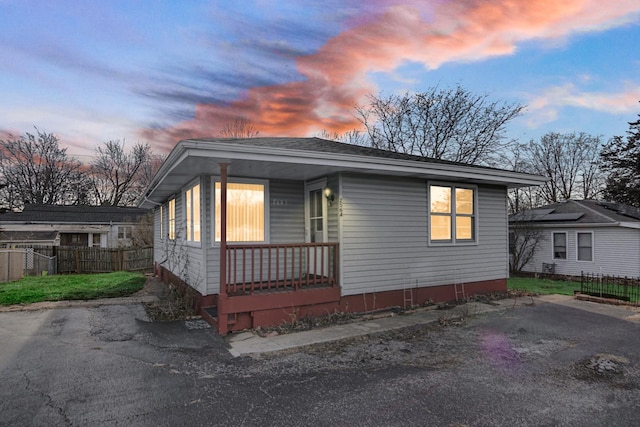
(52, 225)
(578, 236)
(266, 230)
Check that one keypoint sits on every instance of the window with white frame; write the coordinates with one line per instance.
(246, 211)
(560, 245)
(172, 219)
(452, 214)
(124, 232)
(192, 212)
(585, 246)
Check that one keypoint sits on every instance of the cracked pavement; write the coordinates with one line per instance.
(546, 364)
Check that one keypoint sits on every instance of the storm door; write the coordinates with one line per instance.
(316, 224)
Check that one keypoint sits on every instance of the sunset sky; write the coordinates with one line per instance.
(160, 71)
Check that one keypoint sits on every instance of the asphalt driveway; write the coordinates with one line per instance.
(566, 363)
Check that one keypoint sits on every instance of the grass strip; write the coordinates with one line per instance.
(543, 286)
(32, 289)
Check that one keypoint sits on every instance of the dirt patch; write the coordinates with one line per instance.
(448, 318)
(607, 368)
(171, 304)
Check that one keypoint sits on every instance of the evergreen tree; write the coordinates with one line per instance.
(621, 160)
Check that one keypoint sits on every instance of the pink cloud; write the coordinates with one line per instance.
(335, 77)
(544, 108)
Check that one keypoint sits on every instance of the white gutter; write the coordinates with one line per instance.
(228, 152)
(260, 153)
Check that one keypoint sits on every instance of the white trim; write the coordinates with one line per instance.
(332, 162)
(353, 161)
(566, 246)
(475, 217)
(175, 219)
(267, 207)
(195, 182)
(318, 184)
(592, 247)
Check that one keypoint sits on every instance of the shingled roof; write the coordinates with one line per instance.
(52, 214)
(579, 212)
(28, 236)
(327, 146)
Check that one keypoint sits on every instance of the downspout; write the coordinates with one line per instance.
(223, 316)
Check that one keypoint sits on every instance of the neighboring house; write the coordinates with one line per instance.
(86, 226)
(314, 226)
(583, 236)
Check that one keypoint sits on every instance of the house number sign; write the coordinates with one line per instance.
(279, 202)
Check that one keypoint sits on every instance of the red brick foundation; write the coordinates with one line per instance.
(274, 309)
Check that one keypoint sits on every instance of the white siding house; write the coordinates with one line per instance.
(314, 226)
(587, 236)
(86, 226)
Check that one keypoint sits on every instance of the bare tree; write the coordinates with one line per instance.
(354, 137)
(519, 198)
(239, 128)
(148, 170)
(35, 169)
(571, 161)
(142, 231)
(524, 239)
(116, 174)
(450, 124)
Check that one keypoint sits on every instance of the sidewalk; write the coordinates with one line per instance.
(248, 343)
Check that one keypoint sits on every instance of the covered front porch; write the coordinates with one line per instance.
(269, 279)
(267, 283)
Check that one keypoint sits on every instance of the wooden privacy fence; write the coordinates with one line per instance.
(18, 262)
(103, 260)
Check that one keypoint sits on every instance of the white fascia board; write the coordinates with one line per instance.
(373, 164)
(625, 224)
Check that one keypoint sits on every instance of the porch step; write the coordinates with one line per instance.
(211, 316)
(211, 311)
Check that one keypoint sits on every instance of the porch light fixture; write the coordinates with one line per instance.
(329, 195)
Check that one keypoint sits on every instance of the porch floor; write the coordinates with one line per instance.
(288, 285)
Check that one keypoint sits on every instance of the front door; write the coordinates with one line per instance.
(316, 224)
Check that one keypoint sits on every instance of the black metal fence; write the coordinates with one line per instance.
(613, 287)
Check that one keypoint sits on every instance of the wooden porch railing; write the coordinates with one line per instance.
(271, 267)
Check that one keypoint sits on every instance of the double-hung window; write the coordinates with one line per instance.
(560, 245)
(172, 219)
(124, 232)
(192, 212)
(246, 213)
(452, 214)
(585, 246)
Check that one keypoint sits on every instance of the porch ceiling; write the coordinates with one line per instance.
(189, 168)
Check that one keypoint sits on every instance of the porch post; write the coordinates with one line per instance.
(222, 296)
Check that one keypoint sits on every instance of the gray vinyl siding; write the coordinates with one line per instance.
(385, 243)
(616, 252)
(286, 222)
(184, 259)
(158, 240)
(287, 219)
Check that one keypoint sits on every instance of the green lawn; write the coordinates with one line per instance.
(543, 286)
(31, 289)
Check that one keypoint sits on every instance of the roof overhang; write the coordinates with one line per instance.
(191, 158)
